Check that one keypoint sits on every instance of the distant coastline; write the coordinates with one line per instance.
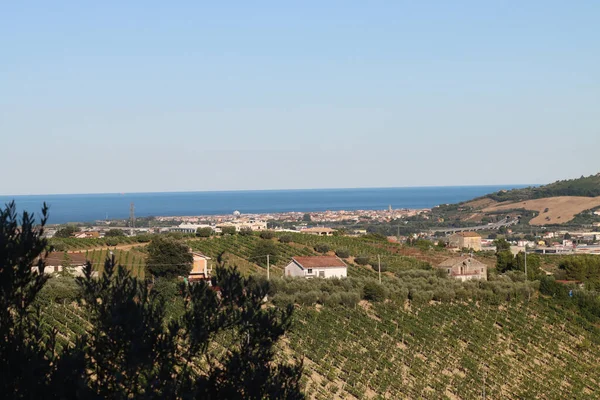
(91, 207)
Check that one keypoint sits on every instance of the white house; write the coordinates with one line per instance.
(317, 267)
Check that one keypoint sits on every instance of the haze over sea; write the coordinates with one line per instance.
(91, 207)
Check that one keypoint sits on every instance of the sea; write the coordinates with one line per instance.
(66, 208)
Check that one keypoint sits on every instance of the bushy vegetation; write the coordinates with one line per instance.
(585, 186)
(168, 258)
(582, 267)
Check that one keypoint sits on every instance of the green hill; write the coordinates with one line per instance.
(588, 186)
(419, 334)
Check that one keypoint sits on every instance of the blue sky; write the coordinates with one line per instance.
(174, 96)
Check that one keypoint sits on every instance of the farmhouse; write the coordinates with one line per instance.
(200, 270)
(468, 240)
(464, 268)
(58, 261)
(317, 267)
(318, 231)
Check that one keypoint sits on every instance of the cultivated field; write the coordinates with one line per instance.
(553, 210)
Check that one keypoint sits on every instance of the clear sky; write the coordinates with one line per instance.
(127, 96)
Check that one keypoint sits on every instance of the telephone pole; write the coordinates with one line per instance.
(525, 262)
(379, 266)
(268, 268)
(131, 217)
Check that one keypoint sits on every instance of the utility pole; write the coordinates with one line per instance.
(379, 266)
(525, 262)
(132, 217)
(268, 268)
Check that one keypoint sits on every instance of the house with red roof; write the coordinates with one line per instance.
(317, 267)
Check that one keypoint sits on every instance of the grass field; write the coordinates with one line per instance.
(559, 209)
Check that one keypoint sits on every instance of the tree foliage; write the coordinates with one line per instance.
(264, 248)
(168, 258)
(66, 231)
(245, 231)
(228, 230)
(204, 232)
(266, 235)
(322, 248)
(114, 232)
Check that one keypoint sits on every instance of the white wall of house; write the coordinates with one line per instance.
(294, 270)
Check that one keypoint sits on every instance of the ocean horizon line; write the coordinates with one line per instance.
(508, 185)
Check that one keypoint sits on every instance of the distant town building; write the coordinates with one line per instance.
(200, 270)
(467, 240)
(317, 267)
(464, 268)
(318, 231)
(189, 228)
(87, 235)
(239, 224)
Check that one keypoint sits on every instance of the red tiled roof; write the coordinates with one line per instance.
(319, 262)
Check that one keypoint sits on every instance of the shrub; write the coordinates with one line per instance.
(111, 241)
(228, 230)
(373, 291)
(266, 235)
(245, 231)
(145, 238)
(362, 260)
(349, 299)
(322, 248)
(204, 232)
(333, 300)
(307, 298)
(342, 253)
(285, 239)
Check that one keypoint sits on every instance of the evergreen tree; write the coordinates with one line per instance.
(168, 258)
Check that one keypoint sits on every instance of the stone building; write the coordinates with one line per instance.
(467, 240)
(464, 268)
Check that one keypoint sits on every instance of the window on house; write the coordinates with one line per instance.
(481, 269)
(309, 271)
(321, 274)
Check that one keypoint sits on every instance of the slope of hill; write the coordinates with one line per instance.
(453, 351)
(552, 210)
(588, 186)
(442, 350)
(556, 203)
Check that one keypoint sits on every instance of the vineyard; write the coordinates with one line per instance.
(133, 259)
(454, 351)
(431, 338)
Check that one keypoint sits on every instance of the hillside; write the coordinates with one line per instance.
(557, 203)
(425, 336)
(588, 186)
(552, 210)
(437, 350)
(453, 351)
